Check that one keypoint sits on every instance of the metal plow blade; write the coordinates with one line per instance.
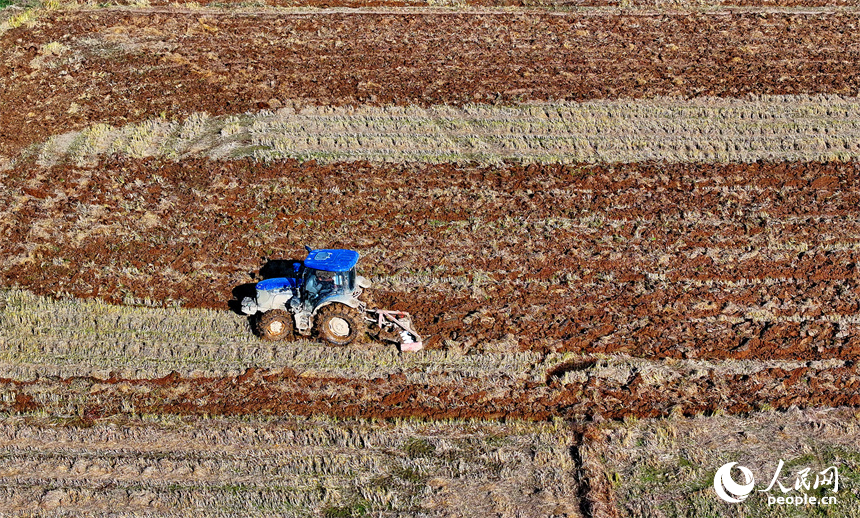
(396, 326)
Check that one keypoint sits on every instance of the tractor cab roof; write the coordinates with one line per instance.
(331, 260)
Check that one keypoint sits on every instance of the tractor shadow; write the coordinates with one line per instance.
(272, 269)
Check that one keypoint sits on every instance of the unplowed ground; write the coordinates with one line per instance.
(666, 467)
(115, 66)
(293, 467)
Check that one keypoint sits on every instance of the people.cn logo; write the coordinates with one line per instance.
(729, 490)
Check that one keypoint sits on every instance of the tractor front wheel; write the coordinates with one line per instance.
(338, 324)
(275, 325)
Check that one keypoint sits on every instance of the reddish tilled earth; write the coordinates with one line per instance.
(537, 4)
(122, 66)
(286, 393)
(753, 261)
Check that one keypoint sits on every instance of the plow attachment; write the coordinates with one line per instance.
(394, 326)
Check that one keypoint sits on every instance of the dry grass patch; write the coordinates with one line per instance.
(74, 337)
(666, 467)
(165, 466)
(791, 128)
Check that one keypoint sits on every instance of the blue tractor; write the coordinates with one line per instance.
(325, 297)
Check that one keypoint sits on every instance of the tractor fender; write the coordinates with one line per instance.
(340, 299)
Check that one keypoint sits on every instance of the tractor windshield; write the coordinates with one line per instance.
(320, 283)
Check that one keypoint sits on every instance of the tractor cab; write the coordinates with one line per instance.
(328, 273)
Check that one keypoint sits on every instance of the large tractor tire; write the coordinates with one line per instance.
(274, 325)
(338, 324)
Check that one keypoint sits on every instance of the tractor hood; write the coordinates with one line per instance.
(331, 260)
(277, 284)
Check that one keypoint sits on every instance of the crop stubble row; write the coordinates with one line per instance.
(292, 467)
(772, 128)
(74, 337)
(88, 344)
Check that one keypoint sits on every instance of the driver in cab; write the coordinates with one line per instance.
(320, 284)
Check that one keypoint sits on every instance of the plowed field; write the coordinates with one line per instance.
(684, 261)
(116, 66)
(597, 212)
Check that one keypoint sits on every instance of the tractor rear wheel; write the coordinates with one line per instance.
(338, 324)
(275, 325)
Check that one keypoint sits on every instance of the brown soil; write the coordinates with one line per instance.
(122, 66)
(286, 393)
(681, 261)
(537, 4)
